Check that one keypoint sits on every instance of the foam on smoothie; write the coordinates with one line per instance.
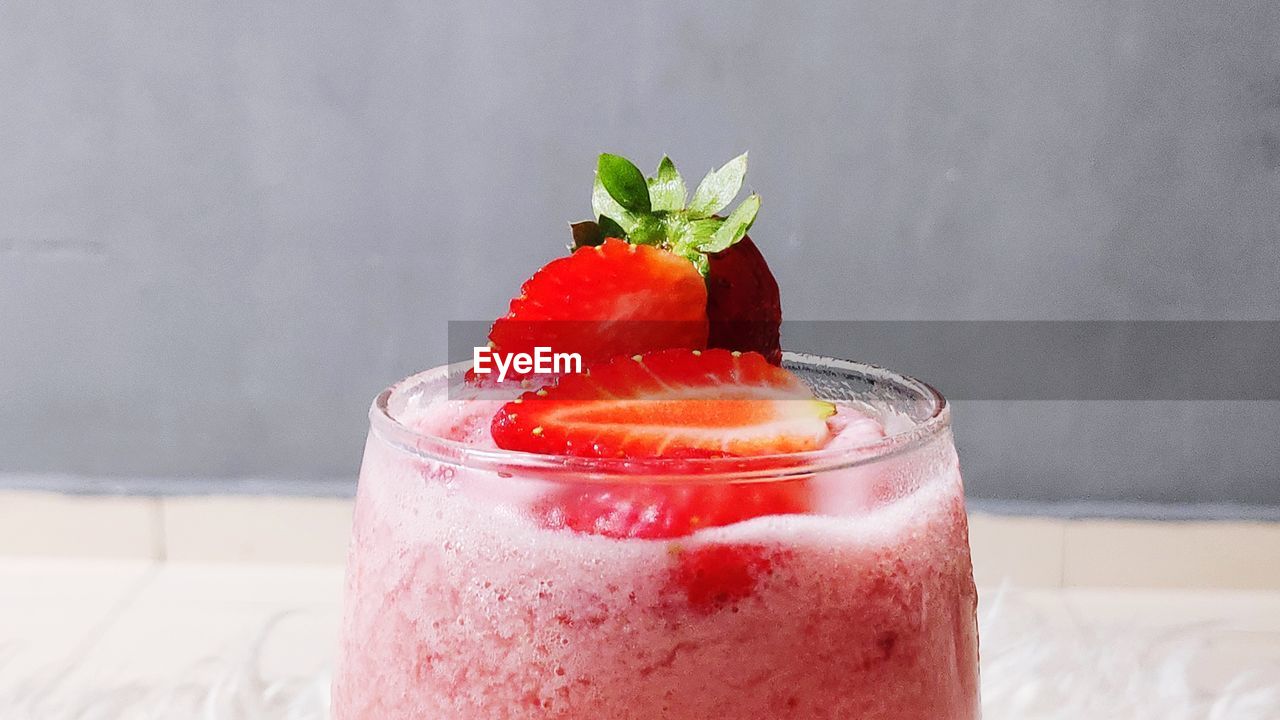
(488, 615)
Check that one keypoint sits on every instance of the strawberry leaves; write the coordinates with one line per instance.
(667, 190)
(734, 227)
(653, 211)
(604, 206)
(624, 182)
(718, 188)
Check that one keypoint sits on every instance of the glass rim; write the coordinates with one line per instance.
(761, 468)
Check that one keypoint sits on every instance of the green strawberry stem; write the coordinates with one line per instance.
(654, 211)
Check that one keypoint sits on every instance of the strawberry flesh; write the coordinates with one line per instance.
(608, 300)
(670, 404)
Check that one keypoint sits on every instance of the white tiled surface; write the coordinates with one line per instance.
(1110, 553)
(255, 529)
(1027, 551)
(1024, 551)
(47, 524)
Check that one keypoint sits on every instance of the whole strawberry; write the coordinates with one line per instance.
(744, 309)
(743, 305)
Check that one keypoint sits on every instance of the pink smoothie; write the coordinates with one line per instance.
(461, 606)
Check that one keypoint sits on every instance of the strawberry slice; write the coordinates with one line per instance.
(604, 301)
(669, 403)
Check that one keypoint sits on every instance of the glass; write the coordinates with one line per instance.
(463, 603)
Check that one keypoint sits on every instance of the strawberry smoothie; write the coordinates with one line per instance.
(690, 525)
(463, 604)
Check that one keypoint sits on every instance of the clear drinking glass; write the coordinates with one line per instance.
(464, 603)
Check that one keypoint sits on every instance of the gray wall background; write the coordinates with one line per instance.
(225, 226)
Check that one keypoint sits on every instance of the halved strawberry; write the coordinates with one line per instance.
(743, 303)
(608, 300)
(669, 403)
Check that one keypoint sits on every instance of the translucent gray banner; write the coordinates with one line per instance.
(1038, 360)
